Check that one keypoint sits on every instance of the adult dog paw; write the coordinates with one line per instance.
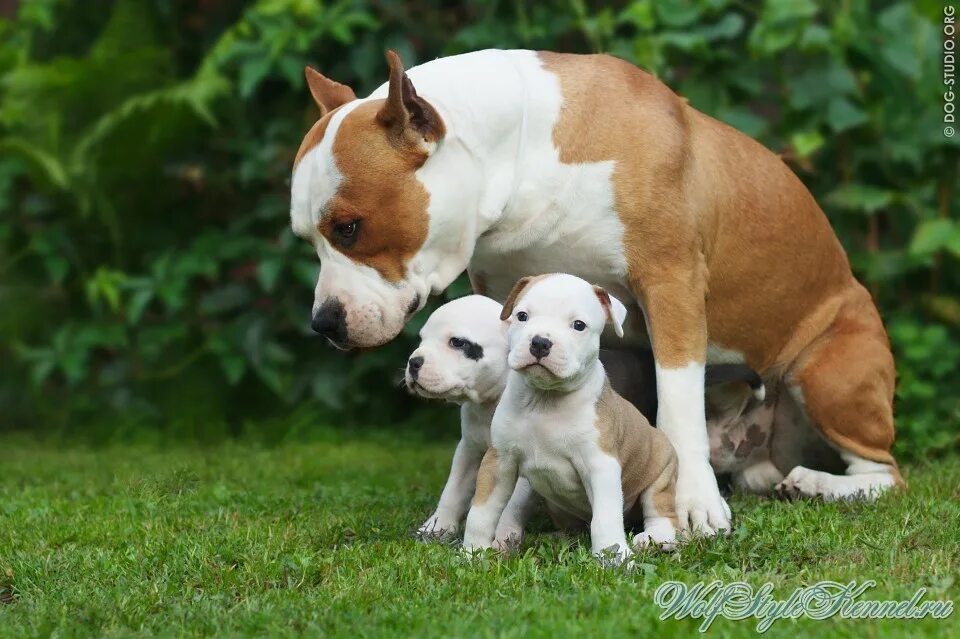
(701, 509)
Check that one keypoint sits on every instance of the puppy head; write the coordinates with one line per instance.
(554, 330)
(462, 353)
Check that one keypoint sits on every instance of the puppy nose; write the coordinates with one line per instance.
(330, 320)
(414, 364)
(540, 346)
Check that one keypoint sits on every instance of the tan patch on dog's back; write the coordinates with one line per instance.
(704, 208)
(380, 191)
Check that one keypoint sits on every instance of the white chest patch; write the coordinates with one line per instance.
(553, 442)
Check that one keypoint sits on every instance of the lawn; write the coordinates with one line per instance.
(315, 539)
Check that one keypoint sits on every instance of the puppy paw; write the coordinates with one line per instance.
(663, 537)
(470, 551)
(615, 555)
(437, 529)
(508, 543)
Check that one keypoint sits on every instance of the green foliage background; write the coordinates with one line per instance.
(149, 282)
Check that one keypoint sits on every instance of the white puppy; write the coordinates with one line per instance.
(590, 454)
(462, 358)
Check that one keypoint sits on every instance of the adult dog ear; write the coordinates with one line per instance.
(513, 296)
(326, 93)
(409, 119)
(615, 311)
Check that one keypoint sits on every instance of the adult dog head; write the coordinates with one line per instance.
(358, 195)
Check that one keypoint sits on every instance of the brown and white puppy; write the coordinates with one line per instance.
(462, 358)
(588, 452)
(517, 162)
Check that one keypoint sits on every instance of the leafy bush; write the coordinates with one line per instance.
(148, 275)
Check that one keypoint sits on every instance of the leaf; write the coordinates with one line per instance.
(805, 143)
(820, 85)
(271, 377)
(788, 10)
(944, 308)
(50, 166)
(268, 272)
(682, 40)
(194, 95)
(901, 51)
(234, 367)
(225, 299)
(138, 304)
(745, 120)
(860, 197)
(291, 68)
(677, 13)
(105, 284)
(843, 115)
(306, 272)
(251, 73)
(57, 267)
(729, 26)
(931, 236)
(953, 242)
(639, 14)
(815, 37)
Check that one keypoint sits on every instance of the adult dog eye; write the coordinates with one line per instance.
(457, 342)
(579, 326)
(346, 234)
(522, 316)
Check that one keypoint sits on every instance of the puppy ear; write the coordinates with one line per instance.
(513, 296)
(409, 119)
(326, 93)
(615, 311)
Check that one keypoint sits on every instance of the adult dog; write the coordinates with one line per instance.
(511, 163)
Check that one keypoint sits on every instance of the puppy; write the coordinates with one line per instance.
(462, 358)
(590, 454)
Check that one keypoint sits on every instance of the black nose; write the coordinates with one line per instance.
(540, 346)
(414, 364)
(330, 320)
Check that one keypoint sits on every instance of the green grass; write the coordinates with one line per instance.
(315, 539)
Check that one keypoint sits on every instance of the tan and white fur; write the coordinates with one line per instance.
(588, 452)
(509, 163)
(462, 358)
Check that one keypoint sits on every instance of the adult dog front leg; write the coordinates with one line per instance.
(678, 328)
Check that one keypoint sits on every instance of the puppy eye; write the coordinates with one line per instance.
(346, 234)
(579, 326)
(522, 316)
(457, 342)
